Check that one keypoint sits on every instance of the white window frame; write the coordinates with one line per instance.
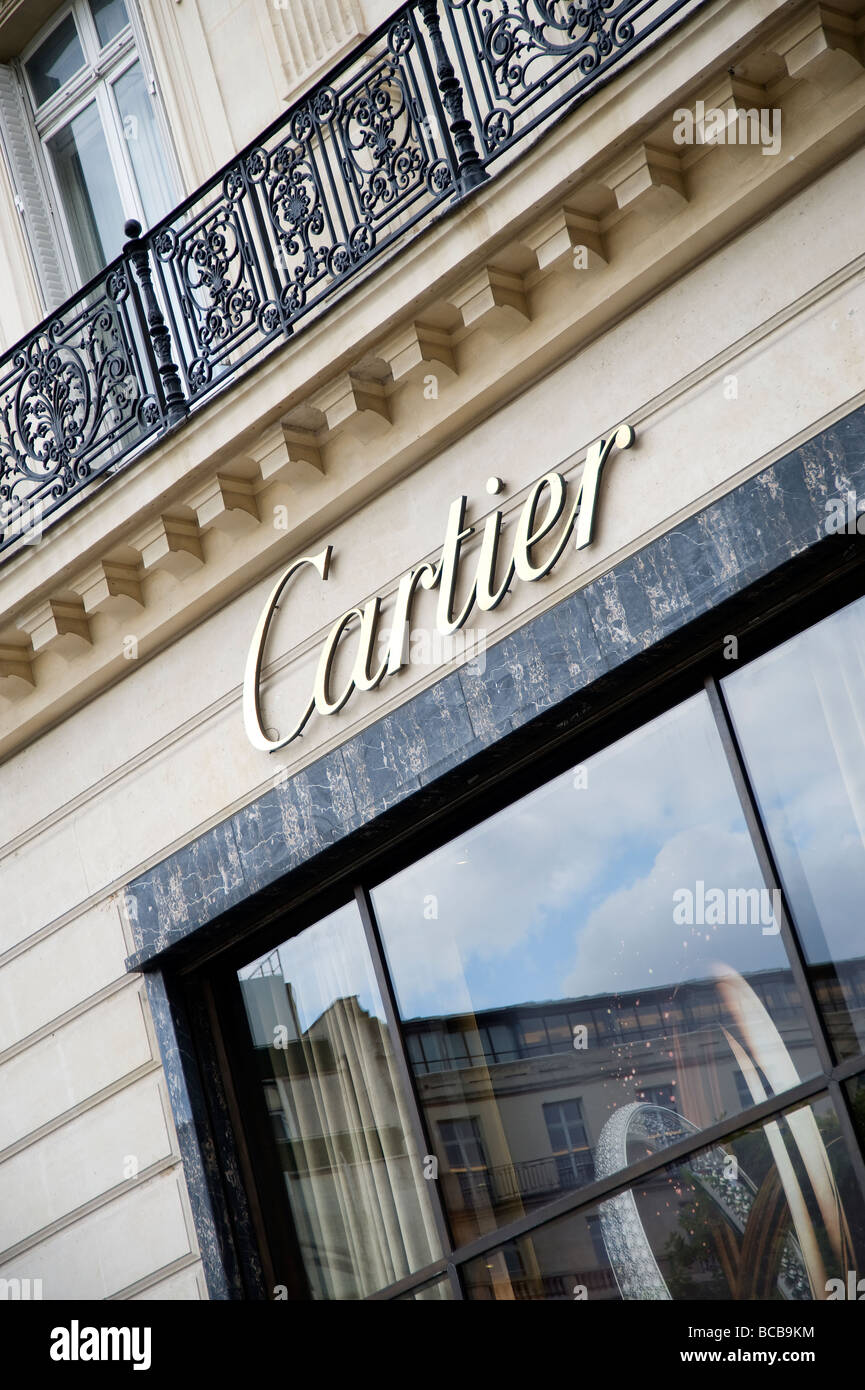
(102, 68)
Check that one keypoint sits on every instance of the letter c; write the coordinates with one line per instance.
(255, 660)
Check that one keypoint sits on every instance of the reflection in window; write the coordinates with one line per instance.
(353, 1177)
(567, 906)
(55, 61)
(466, 1161)
(799, 713)
(143, 145)
(110, 18)
(569, 1142)
(772, 1214)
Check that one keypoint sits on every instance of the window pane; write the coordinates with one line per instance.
(637, 894)
(141, 135)
(55, 61)
(354, 1180)
(772, 1214)
(799, 713)
(110, 17)
(89, 191)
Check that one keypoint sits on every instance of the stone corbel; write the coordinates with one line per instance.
(494, 300)
(732, 95)
(567, 242)
(355, 404)
(822, 47)
(16, 671)
(110, 588)
(58, 625)
(649, 181)
(172, 544)
(226, 503)
(289, 451)
(417, 350)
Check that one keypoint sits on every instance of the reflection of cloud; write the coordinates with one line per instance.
(554, 880)
(808, 766)
(631, 940)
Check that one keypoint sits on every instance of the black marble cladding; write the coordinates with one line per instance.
(713, 556)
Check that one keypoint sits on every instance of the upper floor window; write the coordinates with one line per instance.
(85, 140)
(98, 127)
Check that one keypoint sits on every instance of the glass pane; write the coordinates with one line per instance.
(91, 199)
(799, 713)
(55, 61)
(623, 902)
(143, 143)
(355, 1183)
(773, 1214)
(110, 17)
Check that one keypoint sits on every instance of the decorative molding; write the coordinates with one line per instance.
(58, 625)
(172, 544)
(416, 349)
(227, 503)
(356, 404)
(556, 241)
(16, 671)
(649, 181)
(494, 300)
(823, 47)
(110, 588)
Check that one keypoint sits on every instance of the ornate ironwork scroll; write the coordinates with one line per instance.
(76, 395)
(521, 60)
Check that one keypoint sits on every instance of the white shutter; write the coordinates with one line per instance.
(22, 157)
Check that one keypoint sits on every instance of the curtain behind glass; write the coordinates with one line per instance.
(354, 1178)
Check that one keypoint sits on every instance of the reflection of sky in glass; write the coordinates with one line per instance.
(326, 962)
(799, 713)
(569, 892)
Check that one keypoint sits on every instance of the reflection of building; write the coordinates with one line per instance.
(529, 1106)
(514, 1110)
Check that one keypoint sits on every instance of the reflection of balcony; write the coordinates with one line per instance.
(537, 1180)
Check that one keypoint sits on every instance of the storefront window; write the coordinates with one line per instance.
(799, 714)
(612, 937)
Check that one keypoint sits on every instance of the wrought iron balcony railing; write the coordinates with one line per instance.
(421, 114)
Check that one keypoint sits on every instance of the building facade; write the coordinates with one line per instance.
(432, 649)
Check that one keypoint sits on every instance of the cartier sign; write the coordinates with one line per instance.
(491, 583)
